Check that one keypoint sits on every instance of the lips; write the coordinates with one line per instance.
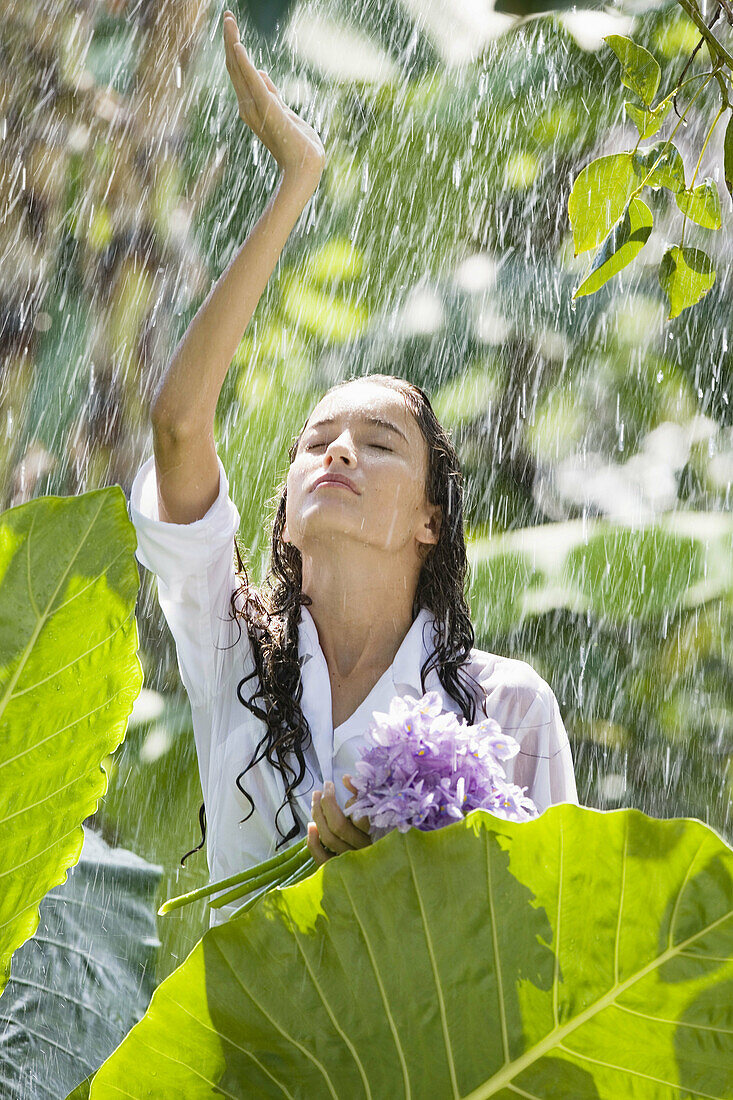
(334, 479)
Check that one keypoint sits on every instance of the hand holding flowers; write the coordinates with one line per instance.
(421, 768)
(331, 831)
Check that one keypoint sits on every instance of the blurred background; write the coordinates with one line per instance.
(596, 437)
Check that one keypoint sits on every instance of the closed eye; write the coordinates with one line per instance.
(312, 446)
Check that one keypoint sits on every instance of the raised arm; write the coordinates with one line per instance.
(183, 410)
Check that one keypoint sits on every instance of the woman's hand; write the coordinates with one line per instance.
(331, 831)
(293, 143)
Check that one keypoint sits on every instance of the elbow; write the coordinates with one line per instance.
(169, 431)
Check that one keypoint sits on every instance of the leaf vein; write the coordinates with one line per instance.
(433, 963)
(25, 653)
(383, 994)
(333, 1019)
(673, 918)
(556, 967)
(620, 905)
(633, 1072)
(62, 729)
(289, 1038)
(220, 1035)
(675, 1023)
(186, 1065)
(497, 960)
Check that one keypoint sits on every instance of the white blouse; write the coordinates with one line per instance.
(195, 567)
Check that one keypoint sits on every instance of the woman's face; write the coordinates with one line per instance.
(385, 462)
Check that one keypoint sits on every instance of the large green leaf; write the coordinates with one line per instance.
(702, 205)
(69, 674)
(614, 572)
(623, 243)
(598, 198)
(582, 954)
(685, 275)
(639, 69)
(635, 573)
(728, 156)
(85, 977)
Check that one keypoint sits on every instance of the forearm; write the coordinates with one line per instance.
(187, 395)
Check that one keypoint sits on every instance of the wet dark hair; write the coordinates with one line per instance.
(272, 616)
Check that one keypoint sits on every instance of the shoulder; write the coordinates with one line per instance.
(514, 692)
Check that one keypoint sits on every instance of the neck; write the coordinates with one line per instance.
(362, 608)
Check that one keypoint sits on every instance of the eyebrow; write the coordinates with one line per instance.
(368, 420)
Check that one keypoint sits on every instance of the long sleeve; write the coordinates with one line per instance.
(194, 564)
(544, 763)
(525, 707)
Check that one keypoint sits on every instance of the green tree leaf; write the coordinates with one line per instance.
(728, 156)
(639, 69)
(685, 275)
(647, 122)
(578, 954)
(660, 165)
(702, 205)
(598, 198)
(623, 243)
(69, 674)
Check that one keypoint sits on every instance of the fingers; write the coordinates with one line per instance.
(269, 83)
(361, 823)
(337, 831)
(238, 61)
(314, 846)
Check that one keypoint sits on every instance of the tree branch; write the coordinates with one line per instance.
(717, 51)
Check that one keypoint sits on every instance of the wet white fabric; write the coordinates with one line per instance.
(195, 567)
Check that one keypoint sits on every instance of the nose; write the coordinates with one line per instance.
(342, 447)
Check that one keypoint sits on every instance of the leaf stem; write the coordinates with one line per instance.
(705, 144)
(697, 166)
(690, 59)
(668, 142)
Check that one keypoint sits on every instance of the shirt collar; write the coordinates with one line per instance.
(414, 650)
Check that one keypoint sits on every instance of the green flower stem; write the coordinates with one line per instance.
(277, 874)
(302, 872)
(279, 860)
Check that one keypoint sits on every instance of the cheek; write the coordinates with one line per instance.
(395, 490)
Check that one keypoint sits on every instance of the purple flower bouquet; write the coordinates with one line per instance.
(423, 768)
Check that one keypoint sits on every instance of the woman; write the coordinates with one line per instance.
(364, 596)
